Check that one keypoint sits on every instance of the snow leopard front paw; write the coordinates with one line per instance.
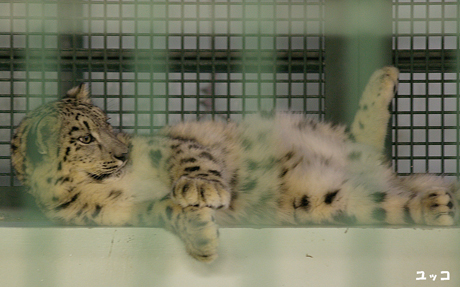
(200, 233)
(439, 208)
(201, 192)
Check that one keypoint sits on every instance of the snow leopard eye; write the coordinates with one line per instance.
(86, 139)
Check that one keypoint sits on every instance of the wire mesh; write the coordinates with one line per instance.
(154, 63)
(425, 126)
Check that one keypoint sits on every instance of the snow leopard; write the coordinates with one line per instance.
(191, 177)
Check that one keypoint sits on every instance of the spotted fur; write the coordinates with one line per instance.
(272, 169)
(370, 123)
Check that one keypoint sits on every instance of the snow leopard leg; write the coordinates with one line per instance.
(371, 119)
(324, 193)
(312, 191)
(383, 198)
(198, 175)
(432, 200)
(195, 226)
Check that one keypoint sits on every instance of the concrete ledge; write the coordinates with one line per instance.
(69, 256)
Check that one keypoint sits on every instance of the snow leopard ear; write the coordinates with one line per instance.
(79, 93)
(46, 130)
(42, 138)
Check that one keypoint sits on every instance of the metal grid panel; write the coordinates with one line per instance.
(23, 25)
(425, 126)
(152, 63)
(208, 58)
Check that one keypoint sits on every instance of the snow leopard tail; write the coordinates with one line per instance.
(371, 119)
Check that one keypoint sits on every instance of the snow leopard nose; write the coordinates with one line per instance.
(121, 153)
(122, 157)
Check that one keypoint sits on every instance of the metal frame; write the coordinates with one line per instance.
(244, 69)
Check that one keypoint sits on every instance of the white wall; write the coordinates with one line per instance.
(248, 257)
